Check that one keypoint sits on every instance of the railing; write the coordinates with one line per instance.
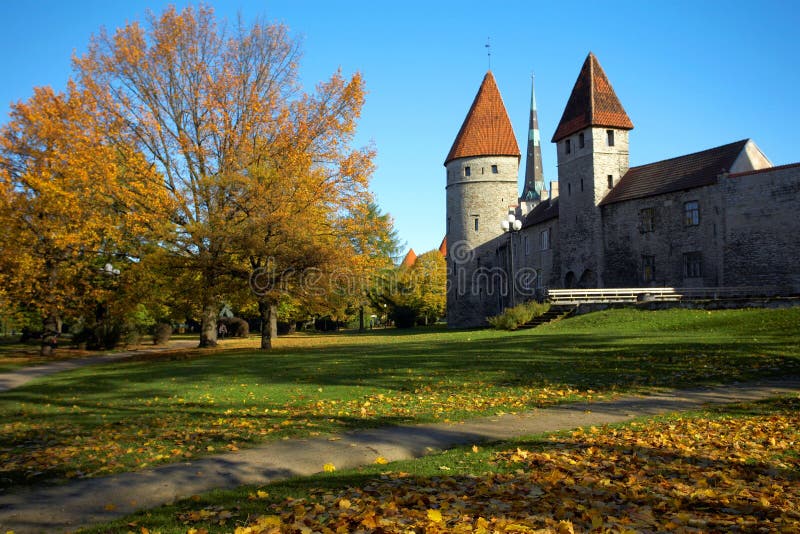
(657, 294)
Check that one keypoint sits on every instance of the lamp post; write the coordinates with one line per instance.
(511, 225)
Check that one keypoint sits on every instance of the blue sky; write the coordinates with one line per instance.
(690, 74)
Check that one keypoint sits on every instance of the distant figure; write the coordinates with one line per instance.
(222, 331)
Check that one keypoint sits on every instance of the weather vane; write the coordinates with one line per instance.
(488, 46)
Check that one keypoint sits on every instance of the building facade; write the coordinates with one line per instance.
(722, 217)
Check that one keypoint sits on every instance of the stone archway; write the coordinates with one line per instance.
(588, 280)
(569, 280)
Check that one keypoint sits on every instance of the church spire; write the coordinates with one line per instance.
(534, 176)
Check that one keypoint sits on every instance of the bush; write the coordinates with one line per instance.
(237, 327)
(161, 333)
(513, 318)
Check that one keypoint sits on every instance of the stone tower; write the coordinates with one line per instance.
(482, 173)
(592, 147)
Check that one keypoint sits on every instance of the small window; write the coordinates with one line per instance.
(610, 181)
(581, 184)
(692, 265)
(544, 239)
(567, 146)
(494, 169)
(648, 268)
(477, 224)
(467, 171)
(527, 246)
(610, 137)
(581, 140)
(647, 220)
(448, 225)
(569, 189)
(691, 213)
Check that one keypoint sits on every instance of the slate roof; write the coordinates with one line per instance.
(486, 130)
(592, 102)
(544, 211)
(676, 174)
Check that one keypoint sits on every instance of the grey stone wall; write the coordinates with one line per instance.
(545, 262)
(762, 229)
(627, 240)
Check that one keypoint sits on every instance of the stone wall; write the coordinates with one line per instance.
(762, 228)
(627, 240)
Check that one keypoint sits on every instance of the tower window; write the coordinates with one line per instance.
(610, 137)
(494, 169)
(581, 140)
(569, 189)
(581, 184)
(610, 181)
(567, 146)
(476, 223)
(467, 171)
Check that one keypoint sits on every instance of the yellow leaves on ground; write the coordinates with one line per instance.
(690, 475)
(380, 460)
(329, 468)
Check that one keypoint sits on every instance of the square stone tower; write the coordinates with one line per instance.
(592, 148)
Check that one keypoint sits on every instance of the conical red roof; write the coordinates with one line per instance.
(410, 259)
(593, 102)
(487, 130)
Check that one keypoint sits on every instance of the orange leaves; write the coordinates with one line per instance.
(674, 475)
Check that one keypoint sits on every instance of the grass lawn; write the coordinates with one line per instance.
(165, 408)
(734, 468)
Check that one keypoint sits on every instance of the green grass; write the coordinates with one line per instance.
(653, 459)
(161, 409)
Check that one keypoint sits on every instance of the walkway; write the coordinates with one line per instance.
(22, 376)
(84, 502)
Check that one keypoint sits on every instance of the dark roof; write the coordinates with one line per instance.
(592, 102)
(545, 211)
(768, 169)
(676, 174)
(486, 130)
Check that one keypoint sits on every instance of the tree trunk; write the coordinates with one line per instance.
(208, 326)
(361, 319)
(269, 322)
(51, 328)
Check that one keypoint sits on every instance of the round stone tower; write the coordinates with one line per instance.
(482, 177)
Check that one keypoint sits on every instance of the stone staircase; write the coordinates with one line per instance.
(555, 313)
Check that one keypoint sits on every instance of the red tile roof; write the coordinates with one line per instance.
(593, 102)
(676, 174)
(768, 169)
(443, 247)
(486, 130)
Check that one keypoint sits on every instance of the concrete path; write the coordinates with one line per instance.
(84, 502)
(22, 376)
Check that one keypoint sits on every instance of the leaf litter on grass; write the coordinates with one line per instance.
(714, 473)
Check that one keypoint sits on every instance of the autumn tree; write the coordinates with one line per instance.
(260, 173)
(71, 201)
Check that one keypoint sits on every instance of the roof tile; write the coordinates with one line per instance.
(676, 174)
(592, 102)
(486, 130)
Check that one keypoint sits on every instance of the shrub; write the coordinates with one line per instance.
(237, 327)
(513, 318)
(161, 333)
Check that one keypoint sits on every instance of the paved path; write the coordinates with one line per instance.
(82, 503)
(22, 376)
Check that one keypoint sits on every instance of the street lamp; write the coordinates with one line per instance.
(511, 225)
